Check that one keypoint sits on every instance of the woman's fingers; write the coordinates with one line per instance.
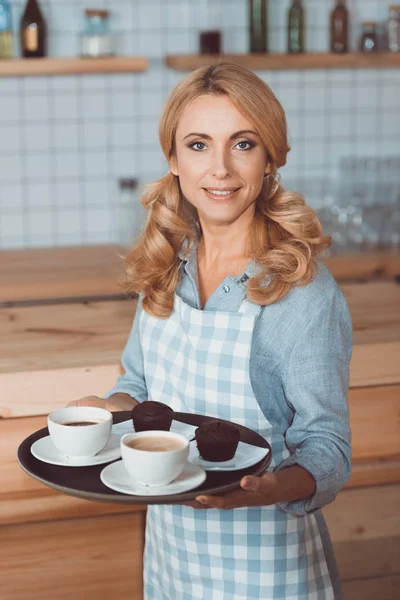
(251, 483)
(235, 499)
(194, 504)
(263, 484)
(89, 401)
(253, 491)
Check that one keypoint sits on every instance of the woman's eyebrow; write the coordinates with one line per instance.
(232, 137)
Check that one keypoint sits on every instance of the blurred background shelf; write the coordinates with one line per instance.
(20, 67)
(283, 61)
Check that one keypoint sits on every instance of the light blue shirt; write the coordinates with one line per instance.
(299, 370)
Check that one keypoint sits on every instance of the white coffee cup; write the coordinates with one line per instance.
(156, 467)
(80, 441)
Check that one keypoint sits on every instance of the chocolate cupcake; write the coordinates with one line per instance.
(150, 415)
(217, 441)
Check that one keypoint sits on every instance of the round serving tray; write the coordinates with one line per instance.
(84, 482)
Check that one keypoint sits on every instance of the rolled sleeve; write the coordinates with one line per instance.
(315, 383)
(132, 381)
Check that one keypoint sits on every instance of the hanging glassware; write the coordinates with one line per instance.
(369, 37)
(96, 39)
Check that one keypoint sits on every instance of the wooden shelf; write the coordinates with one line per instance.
(282, 62)
(29, 67)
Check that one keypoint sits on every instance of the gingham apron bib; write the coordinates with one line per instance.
(198, 361)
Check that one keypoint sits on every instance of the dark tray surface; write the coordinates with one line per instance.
(84, 482)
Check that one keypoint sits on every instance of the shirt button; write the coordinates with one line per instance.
(243, 278)
(226, 289)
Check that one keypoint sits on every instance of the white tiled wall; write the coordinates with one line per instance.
(65, 141)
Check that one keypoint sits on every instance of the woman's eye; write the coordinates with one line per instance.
(197, 144)
(244, 145)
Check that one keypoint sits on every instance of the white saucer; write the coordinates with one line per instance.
(45, 450)
(246, 456)
(117, 478)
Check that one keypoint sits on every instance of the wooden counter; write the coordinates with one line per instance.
(92, 272)
(50, 354)
(60, 274)
(55, 347)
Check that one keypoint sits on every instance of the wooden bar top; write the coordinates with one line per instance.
(94, 333)
(54, 352)
(67, 350)
(47, 274)
(92, 272)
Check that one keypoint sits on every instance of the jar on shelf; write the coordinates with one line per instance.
(96, 39)
(394, 28)
(6, 33)
(210, 36)
(369, 37)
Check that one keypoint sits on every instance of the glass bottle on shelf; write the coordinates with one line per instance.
(96, 39)
(258, 18)
(6, 36)
(393, 29)
(131, 215)
(33, 31)
(210, 37)
(340, 27)
(369, 37)
(296, 27)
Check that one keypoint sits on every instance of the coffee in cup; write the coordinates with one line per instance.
(154, 458)
(80, 431)
(159, 443)
(80, 423)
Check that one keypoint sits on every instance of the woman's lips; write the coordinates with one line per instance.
(223, 194)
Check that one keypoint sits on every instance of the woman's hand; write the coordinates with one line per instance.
(254, 491)
(293, 483)
(113, 403)
(89, 401)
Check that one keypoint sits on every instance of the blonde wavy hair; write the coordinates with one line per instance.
(286, 235)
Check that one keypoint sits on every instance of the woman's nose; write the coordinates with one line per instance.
(221, 166)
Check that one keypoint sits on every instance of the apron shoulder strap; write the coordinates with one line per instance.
(246, 308)
(249, 308)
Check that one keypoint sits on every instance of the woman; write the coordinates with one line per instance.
(237, 319)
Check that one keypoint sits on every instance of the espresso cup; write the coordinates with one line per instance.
(154, 458)
(80, 431)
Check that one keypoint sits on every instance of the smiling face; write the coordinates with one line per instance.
(220, 160)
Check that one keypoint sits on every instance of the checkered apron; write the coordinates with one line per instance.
(198, 361)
